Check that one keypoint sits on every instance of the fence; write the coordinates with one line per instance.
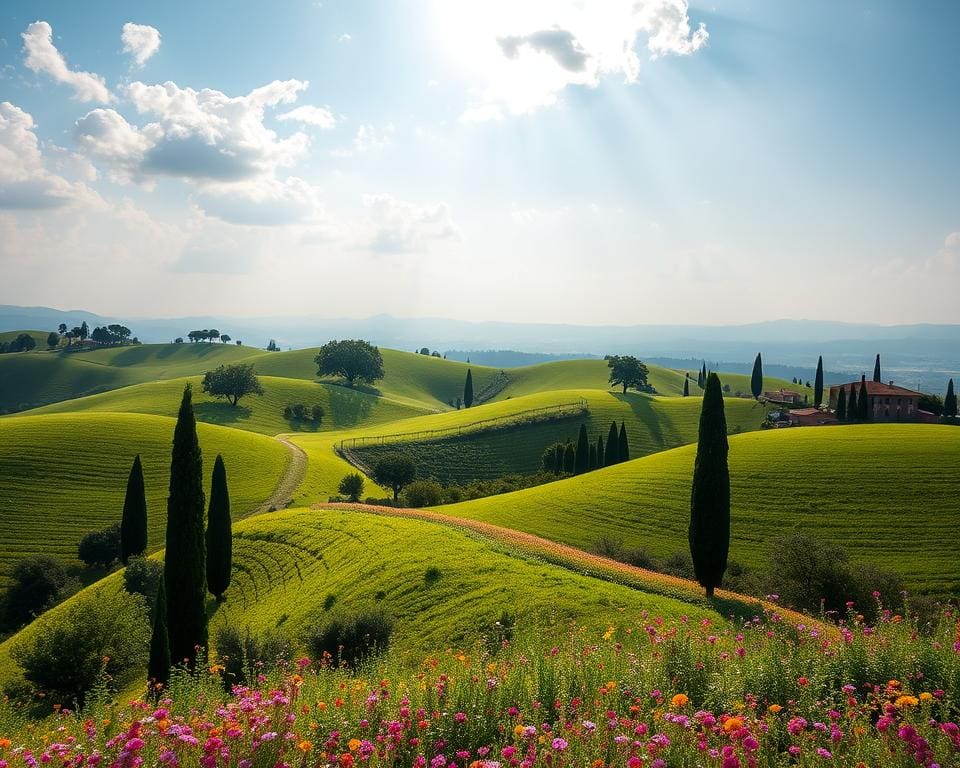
(531, 415)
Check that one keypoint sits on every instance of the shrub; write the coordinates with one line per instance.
(302, 412)
(432, 575)
(36, 584)
(352, 639)
(678, 564)
(244, 653)
(607, 546)
(423, 493)
(104, 638)
(142, 577)
(100, 547)
(352, 486)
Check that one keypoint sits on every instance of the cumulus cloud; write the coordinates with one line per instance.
(321, 117)
(42, 56)
(368, 139)
(263, 202)
(105, 135)
(558, 43)
(25, 181)
(141, 41)
(401, 227)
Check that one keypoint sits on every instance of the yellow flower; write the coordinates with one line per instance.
(609, 633)
(518, 730)
(926, 696)
(679, 700)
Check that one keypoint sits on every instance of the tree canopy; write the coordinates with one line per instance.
(629, 373)
(394, 470)
(354, 359)
(232, 382)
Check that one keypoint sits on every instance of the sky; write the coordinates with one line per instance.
(570, 161)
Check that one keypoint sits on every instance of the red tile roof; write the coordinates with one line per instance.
(881, 389)
(805, 411)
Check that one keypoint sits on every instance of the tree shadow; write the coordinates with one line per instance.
(348, 406)
(643, 411)
(366, 389)
(221, 412)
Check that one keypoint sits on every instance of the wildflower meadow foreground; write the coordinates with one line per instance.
(661, 693)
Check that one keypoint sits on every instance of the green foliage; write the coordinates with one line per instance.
(423, 493)
(842, 404)
(71, 652)
(35, 584)
(623, 444)
(355, 360)
(569, 458)
(876, 369)
(24, 342)
(246, 653)
(53, 340)
(185, 564)
(232, 382)
(142, 576)
(351, 486)
(133, 523)
(468, 390)
(100, 547)
(352, 639)
(863, 404)
(582, 456)
(629, 373)
(431, 575)
(219, 533)
(709, 532)
(601, 458)
(394, 470)
(756, 378)
(158, 662)
(300, 412)
(552, 458)
(686, 387)
(818, 384)
(612, 455)
(931, 403)
(950, 402)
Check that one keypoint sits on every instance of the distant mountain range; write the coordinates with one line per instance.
(920, 354)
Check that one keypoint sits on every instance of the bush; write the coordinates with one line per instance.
(302, 412)
(423, 493)
(244, 654)
(104, 638)
(352, 486)
(607, 546)
(142, 577)
(100, 547)
(432, 575)
(36, 585)
(352, 639)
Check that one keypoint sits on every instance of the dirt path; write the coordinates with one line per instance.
(289, 482)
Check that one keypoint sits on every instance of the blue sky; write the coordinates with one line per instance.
(593, 162)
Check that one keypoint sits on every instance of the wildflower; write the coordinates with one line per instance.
(906, 701)
(774, 709)
(558, 744)
(679, 700)
(305, 746)
(732, 724)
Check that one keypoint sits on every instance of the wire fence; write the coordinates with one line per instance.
(530, 416)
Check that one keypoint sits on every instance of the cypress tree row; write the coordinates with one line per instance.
(623, 447)
(569, 459)
(863, 408)
(842, 405)
(158, 668)
(185, 558)
(593, 457)
(756, 378)
(583, 452)
(468, 390)
(950, 402)
(133, 523)
(818, 384)
(876, 368)
(219, 533)
(612, 446)
(600, 457)
(709, 532)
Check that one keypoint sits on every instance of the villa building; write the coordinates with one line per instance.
(885, 402)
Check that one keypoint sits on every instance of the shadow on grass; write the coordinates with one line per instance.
(644, 412)
(221, 413)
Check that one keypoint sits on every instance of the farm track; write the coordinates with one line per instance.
(292, 477)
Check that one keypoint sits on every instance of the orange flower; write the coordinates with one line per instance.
(732, 724)
(322, 706)
(926, 696)
(4, 743)
(597, 764)
(679, 700)
(305, 746)
(907, 701)
(346, 760)
(774, 708)
(353, 745)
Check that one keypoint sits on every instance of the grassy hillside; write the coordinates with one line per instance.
(886, 492)
(343, 407)
(66, 474)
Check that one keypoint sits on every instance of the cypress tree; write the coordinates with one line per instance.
(600, 457)
(133, 524)
(950, 402)
(818, 383)
(876, 368)
(686, 387)
(703, 375)
(158, 668)
(185, 561)
(709, 532)
(623, 447)
(569, 459)
(842, 405)
(583, 452)
(468, 390)
(593, 457)
(219, 533)
(558, 459)
(612, 455)
(756, 378)
(863, 407)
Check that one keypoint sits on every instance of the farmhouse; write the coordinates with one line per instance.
(784, 397)
(811, 417)
(885, 402)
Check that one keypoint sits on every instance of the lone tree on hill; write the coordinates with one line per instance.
(628, 372)
(354, 359)
(612, 455)
(133, 523)
(950, 402)
(863, 408)
(232, 382)
(709, 532)
(876, 369)
(842, 405)
(686, 387)
(583, 452)
(185, 559)
(818, 383)
(756, 378)
(468, 390)
(53, 339)
(351, 486)
(569, 458)
(219, 533)
(600, 456)
(623, 446)
(394, 470)
(158, 668)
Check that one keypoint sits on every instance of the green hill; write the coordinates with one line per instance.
(65, 475)
(886, 492)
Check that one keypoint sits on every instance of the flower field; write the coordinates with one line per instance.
(647, 693)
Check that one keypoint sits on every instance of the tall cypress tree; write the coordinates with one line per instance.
(600, 457)
(623, 447)
(863, 407)
(756, 378)
(219, 533)
(818, 384)
(569, 458)
(612, 455)
(593, 457)
(158, 668)
(133, 524)
(703, 375)
(185, 558)
(842, 405)
(709, 532)
(876, 369)
(950, 402)
(686, 387)
(468, 390)
(583, 452)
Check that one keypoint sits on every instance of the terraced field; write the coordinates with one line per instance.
(66, 474)
(887, 492)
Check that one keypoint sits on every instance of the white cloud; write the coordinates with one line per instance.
(141, 41)
(952, 240)
(263, 202)
(368, 139)
(43, 56)
(25, 181)
(397, 226)
(321, 117)
(344, 38)
(104, 134)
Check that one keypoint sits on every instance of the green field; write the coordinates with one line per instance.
(887, 492)
(64, 475)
